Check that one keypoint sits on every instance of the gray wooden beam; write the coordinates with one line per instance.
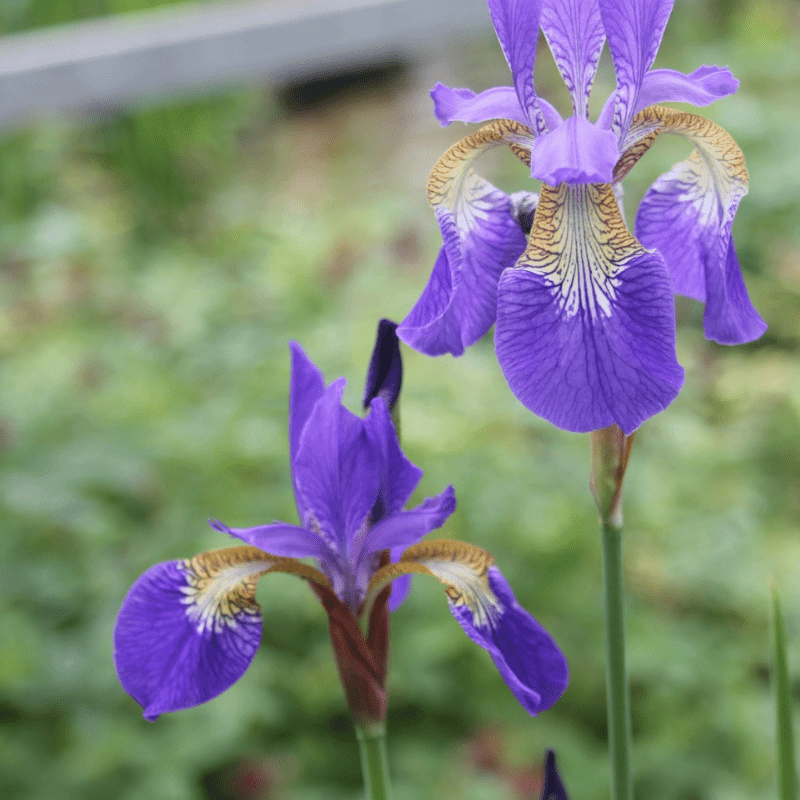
(129, 59)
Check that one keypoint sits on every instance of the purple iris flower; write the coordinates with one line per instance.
(584, 310)
(188, 629)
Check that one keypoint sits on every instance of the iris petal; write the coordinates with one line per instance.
(306, 388)
(586, 324)
(464, 105)
(280, 539)
(407, 527)
(482, 237)
(634, 29)
(575, 152)
(688, 213)
(337, 470)
(516, 23)
(481, 600)
(574, 31)
(398, 476)
(189, 629)
(524, 653)
(700, 88)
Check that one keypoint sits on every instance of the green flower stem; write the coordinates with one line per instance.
(618, 699)
(787, 774)
(374, 761)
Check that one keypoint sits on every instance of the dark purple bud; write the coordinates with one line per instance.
(385, 374)
(553, 787)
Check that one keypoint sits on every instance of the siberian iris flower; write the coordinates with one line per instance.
(584, 310)
(188, 629)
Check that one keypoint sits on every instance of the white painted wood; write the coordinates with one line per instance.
(115, 62)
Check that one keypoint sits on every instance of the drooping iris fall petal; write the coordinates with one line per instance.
(189, 629)
(586, 331)
(482, 236)
(482, 602)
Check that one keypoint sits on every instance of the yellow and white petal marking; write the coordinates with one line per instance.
(221, 584)
(454, 185)
(461, 567)
(715, 166)
(580, 245)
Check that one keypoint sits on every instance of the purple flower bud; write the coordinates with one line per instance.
(385, 374)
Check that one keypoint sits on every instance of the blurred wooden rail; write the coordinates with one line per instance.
(105, 64)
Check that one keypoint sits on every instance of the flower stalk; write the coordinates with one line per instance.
(374, 761)
(617, 694)
(610, 453)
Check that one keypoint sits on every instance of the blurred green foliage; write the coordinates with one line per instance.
(154, 267)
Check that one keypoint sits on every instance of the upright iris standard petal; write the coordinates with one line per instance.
(516, 23)
(574, 31)
(634, 29)
(688, 213)
(337, 470)
(482, 237)
(398, 477)
(482, 602)
(189, 629)
(586, 329)
(306, 388)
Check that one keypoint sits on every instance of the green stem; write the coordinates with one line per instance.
(374, 761)
(618, 700)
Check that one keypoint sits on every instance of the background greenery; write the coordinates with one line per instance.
(154, 267)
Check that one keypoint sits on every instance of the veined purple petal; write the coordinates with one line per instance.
(481, 600)
(574, 31)
(700, 88)
(306, 388)
(524, 653)
(463, 105)
(459, 304)
(634, 29)
(385, 373)
(188, 630)
(688, 213)
(433, 325)
(585, 329)
(729, 317)
(687, 227)
(517, 25)
(405, 528)
(482, 236)
(280, 539)
(401, 530)
(575, 152)
(337, 470)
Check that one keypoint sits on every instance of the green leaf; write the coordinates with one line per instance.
(787, 773)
